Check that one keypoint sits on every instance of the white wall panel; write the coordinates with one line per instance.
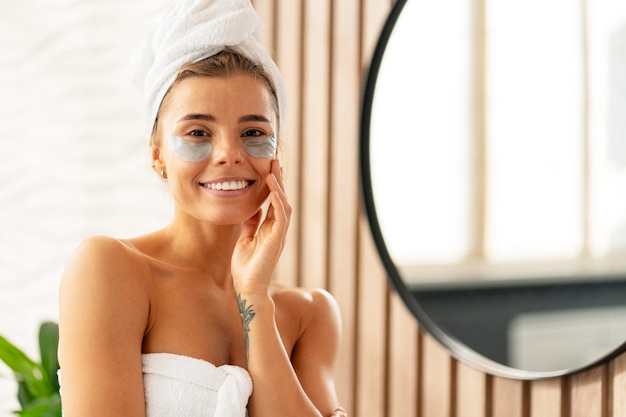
(74, 157)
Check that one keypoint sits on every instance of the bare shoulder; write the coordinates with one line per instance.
(99, 248)
(101, 257)
(103, 276)
(312, 310)
(310, 300)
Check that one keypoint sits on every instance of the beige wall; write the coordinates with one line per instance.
(388, 366)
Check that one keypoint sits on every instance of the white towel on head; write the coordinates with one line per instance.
(191, 30)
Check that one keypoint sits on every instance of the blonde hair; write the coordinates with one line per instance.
(223, 64)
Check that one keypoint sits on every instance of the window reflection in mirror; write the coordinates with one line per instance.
(507, 131)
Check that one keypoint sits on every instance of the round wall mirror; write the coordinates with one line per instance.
(493, 166)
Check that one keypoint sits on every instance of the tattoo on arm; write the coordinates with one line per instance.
(247, 314)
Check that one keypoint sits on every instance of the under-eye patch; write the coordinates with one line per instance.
(199, 151)
(261, 148)
(190, 151)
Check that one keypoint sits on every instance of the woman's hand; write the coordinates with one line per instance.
(260, 244)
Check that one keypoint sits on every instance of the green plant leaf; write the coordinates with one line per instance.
(23, 396)
(43, 407)
(33, 377)
(48, 347)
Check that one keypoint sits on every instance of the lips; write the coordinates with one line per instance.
(227, 185)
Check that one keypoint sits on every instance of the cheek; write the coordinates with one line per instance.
(179, 169)
(263, 167)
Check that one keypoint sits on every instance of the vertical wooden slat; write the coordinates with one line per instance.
(265, 9)
(289, 60)
(371, 329)
(373, 16)
(471, 392)
(546, 398)
(403, 360)
(436, 383)
(509, 398)
(315, 143)
(588, 392)
(617, 381)
(344, 182)
(371, 372)
(480, 184)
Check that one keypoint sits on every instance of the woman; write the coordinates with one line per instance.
(185, 321)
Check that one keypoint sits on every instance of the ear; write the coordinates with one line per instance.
(157, 163)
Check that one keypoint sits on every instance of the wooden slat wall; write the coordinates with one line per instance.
(388, 367)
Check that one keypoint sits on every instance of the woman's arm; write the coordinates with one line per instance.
(304, 384)
(102, 318)
(304, 388)
(315, 354)
(277, 390)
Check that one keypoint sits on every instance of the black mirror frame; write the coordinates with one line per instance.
(457, 349)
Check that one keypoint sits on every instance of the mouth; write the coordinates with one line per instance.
(227, 185)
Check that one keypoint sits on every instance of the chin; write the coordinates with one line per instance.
(229, 218)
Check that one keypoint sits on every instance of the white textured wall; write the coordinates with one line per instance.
(73, 149)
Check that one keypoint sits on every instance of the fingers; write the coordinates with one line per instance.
(277, 211)
(279, 206)
(277, 219)
(276, 185)
(277, 170)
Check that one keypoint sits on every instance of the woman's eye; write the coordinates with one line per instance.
(198, 133)
(252, 133)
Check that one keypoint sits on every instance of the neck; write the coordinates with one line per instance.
(200, 246)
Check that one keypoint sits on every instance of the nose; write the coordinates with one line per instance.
(228, 151)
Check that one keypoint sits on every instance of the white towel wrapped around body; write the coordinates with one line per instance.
(182, 386)
(191, 30)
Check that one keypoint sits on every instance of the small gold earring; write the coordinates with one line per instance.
(163, 174)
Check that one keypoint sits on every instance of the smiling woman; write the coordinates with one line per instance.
(79, 165)
(187, 317)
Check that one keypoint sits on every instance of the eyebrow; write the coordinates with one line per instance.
(254, 118)
(197, 116)
(211, 118)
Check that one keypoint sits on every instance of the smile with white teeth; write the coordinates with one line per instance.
(227, 185)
